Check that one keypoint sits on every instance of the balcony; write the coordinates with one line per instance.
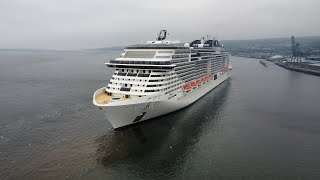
(143, 75)
(132, 74)
(122, 74)
(125, 89)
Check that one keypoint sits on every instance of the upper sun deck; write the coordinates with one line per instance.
(155, 51)
(153, 55)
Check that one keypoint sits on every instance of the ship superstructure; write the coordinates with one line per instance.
(160, 77)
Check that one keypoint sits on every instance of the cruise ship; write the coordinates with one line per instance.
(160, 77)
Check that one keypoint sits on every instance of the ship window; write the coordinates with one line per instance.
(165, 52)
(163, 57)
(140, 54)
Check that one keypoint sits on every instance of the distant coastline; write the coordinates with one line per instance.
(255, 48)
(266, 48)
(118, 48)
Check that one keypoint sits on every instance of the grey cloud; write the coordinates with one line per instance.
(76, 24)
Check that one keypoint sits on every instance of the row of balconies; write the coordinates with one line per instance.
(133, 89)
(140, 62)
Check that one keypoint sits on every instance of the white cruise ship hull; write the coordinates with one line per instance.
(126, 113)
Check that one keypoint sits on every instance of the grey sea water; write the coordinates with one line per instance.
(263, 123)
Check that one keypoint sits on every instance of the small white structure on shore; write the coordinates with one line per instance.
(276, 58)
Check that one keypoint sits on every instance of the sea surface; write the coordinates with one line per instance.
(262, 123)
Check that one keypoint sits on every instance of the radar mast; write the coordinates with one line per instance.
(162, 35)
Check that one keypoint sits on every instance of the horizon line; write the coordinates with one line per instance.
(121, 46)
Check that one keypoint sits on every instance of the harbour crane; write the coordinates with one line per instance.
(296, 51)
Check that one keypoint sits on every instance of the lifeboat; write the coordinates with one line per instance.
(186, 87)
(198, 81)
(193, 84)
(224, 69)
(203, 79)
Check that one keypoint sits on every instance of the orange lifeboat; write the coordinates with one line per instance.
(186, 87)
(193, 84)
(203, 79)
(198, 81)
(224, 69)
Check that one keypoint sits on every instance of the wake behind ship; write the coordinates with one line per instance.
(160, 77)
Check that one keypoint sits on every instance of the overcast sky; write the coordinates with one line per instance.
(72, 24)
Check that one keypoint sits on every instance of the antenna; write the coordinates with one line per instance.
(203, 39)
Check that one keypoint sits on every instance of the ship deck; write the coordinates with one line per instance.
(103, 98)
